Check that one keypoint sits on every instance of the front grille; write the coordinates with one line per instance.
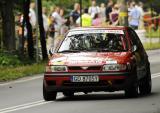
(74, 68)
(51, 83)
(100, 83)
(77, 84)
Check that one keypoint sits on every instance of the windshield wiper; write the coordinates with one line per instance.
(69, 51)
(108, 50)
(103, 50)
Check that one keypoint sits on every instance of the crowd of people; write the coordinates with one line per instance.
(55, 24)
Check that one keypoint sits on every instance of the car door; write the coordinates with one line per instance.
(140, 54)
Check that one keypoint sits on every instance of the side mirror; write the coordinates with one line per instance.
(134, 48)
(51, 51)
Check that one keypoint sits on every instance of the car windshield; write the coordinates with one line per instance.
(99, 41)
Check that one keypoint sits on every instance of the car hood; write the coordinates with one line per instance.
(94, 58)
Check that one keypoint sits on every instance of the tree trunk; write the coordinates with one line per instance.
(42, 32)
(8, 25)
(29, 31)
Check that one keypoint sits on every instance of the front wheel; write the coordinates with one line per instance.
(49, 95)
(145, 85)
(132, 91)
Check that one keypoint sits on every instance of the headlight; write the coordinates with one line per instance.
(114, 67)
(56, 69)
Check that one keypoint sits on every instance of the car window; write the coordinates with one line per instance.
(95, 42)
(135, 39)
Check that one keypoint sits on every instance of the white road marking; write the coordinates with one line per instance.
(25, 106)
(41, 102)
(155, 76)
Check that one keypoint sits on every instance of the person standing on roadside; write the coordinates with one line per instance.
(94, 9)
(102, 11)
(75, 14)
(134, 16)
(86, 19)
(140, 8)
(64, 28)
(114, 15)
(32, 15)
(97, 21)
(57, 21)
(108, 10)
(45, 20)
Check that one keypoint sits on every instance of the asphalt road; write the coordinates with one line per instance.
(25, 96)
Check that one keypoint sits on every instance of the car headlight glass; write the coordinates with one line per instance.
(56, 69)
(114, 67)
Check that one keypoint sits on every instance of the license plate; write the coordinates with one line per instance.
(84, 78)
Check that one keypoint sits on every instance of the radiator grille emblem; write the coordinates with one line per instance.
(84, 68)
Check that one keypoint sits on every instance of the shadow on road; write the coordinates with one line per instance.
(93, 97)
(153, 94)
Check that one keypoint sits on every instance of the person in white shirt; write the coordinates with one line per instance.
(32, 15)
(45, 19)
(102, 11)
(140, 8)
(94, 9)
(58, 20)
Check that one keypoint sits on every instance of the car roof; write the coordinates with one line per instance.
(99, 28)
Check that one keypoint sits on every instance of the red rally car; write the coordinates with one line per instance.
(98, 59)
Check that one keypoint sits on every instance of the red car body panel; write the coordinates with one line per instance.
(93, 59)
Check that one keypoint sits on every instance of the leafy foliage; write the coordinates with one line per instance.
(9, 60)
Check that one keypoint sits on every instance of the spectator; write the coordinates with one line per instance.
(134, 16)
(75, 14)
(86, 19)
(63, 27)
(45, 19)
(51, 33)
(93, 9)
(102, 11)
(51, 29)
(32, 15)
(57, 20)
(140, 8)
(97, 20)
(114, 15)
(108, 10)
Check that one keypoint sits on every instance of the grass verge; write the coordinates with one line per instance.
(152, 34)
(12, 73)
(151, 46)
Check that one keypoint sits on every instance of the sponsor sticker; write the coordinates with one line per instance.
(95, 31)
(111, 62)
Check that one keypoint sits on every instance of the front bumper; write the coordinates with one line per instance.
(112, 81)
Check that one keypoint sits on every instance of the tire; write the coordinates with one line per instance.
(49, 95)
(145, 85)
(132, 91)
(68, 94)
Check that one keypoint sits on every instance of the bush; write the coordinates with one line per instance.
(7, 59)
